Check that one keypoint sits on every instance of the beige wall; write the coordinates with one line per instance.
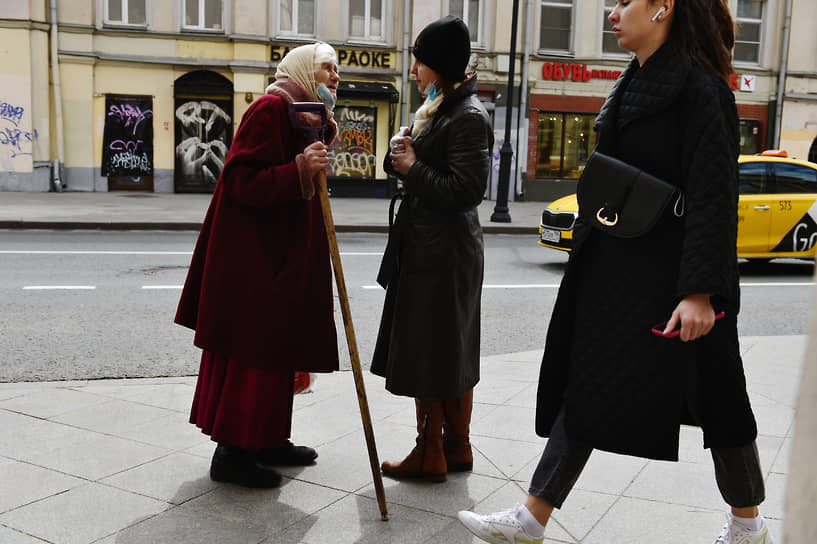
(40, 94)
(77, 81)
(799, 127)
(76, 11)
(250, 17)
(803, 52)
(19, 141)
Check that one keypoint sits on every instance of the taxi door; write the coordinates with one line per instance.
(754, 208)
(793, 228)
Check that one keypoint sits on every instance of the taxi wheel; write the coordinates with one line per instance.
(755, 265)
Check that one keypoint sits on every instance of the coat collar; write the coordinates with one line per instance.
(468, 87)
(291, 92)
(644, 90)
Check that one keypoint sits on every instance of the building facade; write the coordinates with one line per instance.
(575, 59)
(146, 94)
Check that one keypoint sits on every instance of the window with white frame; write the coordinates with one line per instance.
(469, 11)
(297, 17)
(203, 15)
(366, 19)
(609, 42)
(125, 12)
(749, 26)
(555, 22)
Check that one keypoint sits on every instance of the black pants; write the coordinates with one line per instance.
(737, 470)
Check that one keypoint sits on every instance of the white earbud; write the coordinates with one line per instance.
(657, 16)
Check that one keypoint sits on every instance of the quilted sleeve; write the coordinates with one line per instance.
(709, 254)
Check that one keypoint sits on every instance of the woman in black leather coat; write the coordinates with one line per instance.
(607, 382)
(428, 343)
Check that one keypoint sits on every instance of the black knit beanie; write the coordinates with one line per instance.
(445, 47)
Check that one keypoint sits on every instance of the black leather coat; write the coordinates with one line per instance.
(623, 388)
(428, 342)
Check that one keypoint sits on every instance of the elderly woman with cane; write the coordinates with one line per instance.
(259, 291)
(428, 343)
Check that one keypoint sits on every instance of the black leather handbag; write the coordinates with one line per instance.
(623, 200)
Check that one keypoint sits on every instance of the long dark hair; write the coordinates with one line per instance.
(705, 33)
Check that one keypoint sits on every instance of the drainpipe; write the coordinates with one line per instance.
(781, 78)
(56, 167)
(404, 112)
(522, 115)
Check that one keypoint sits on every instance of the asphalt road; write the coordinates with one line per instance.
(83, 305)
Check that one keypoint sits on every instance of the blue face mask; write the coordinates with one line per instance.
(432, 91)
(326, 96)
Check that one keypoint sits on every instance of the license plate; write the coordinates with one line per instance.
(553, 236)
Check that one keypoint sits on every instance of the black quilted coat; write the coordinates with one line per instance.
(623, 388)
(428, 342)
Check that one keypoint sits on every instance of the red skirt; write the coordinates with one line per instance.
(242, 406)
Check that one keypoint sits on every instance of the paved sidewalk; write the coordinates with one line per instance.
(115, 461)
(121, 210)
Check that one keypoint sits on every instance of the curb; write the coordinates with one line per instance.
(196, 226)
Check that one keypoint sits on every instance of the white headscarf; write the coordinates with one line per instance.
(301, 63)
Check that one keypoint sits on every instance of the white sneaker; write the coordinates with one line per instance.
(498, 528)
(735, 533)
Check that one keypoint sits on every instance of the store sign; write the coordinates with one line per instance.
(742, 82)
(747, 82)
(357, 58)
(564, 71)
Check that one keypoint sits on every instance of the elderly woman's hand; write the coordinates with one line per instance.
(403, 156)
(316, 158)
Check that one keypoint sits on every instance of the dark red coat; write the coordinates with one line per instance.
(259, 286)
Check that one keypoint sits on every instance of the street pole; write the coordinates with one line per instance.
(501, 214)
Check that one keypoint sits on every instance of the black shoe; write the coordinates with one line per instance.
(289, 455)
(238, 466)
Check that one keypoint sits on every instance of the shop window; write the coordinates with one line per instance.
(366, 19)
(564, 142)
(469, 11)
(555, 22)
(749, 136)
(297, 17)
(609, 42)
(749, 26)
(125, 12)
(352, 154)
(203, 15)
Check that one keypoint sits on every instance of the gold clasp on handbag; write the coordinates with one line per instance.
(604, 221)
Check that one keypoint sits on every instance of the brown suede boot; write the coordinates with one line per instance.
(456, 432)
(426, 460)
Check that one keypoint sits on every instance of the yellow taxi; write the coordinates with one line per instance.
(777, 209)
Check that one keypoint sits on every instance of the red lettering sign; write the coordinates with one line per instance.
(563, 71)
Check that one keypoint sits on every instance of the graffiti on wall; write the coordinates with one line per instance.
(203, 136)
(15, 141)
(127, 142)
(352, 153)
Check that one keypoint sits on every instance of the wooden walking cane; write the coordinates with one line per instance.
(329, 223)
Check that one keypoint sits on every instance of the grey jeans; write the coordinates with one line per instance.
(737, 470)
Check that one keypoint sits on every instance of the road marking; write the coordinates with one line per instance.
(89, 252)
(188, 253)
(775, 284)
(59, 287)
(500, 286)
(162, 286)
(556, 285)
